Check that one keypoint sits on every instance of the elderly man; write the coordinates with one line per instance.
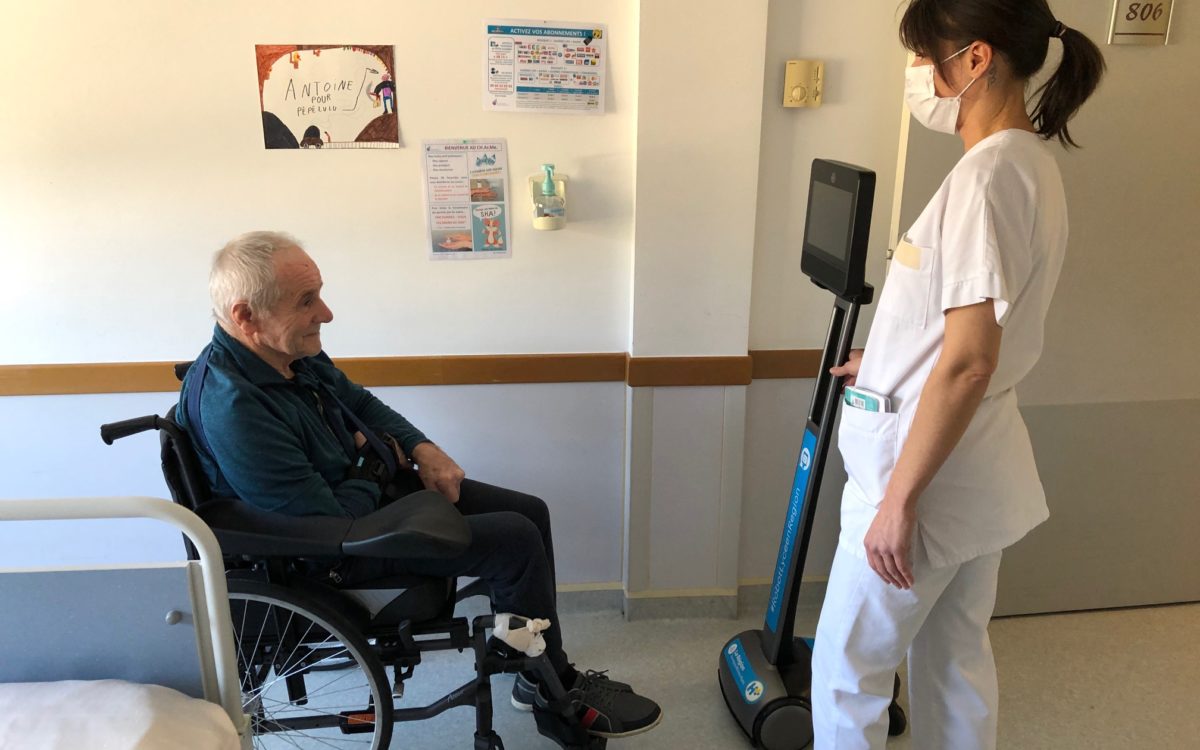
(285, 430)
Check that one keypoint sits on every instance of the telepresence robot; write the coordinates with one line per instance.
(766, 674)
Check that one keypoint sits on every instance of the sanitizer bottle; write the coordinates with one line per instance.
(549, 200)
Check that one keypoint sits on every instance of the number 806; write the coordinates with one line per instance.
(1144, 12)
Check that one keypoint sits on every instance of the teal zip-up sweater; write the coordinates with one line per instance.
(274, 447)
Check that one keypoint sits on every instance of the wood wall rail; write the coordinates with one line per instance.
(638, 372)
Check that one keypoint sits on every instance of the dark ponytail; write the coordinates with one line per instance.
(1020, 31)
(1059, 98)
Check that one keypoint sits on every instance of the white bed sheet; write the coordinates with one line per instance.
(109, 715)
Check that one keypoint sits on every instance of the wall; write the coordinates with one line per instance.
(133, 141)
(118, 182)
(1132, 252)
(561, 442)
(858, 122)
(696, 191)
(698, 146)
(1112, 404)
(132, 150)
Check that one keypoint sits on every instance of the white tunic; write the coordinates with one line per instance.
(997, 228)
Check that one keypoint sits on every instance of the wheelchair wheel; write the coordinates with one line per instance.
(283, 641)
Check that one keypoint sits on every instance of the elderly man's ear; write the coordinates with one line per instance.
(243, 318)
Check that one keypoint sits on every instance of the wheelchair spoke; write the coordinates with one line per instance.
(294, 704)
(284, 706)
(319, 691)
(266, 618)
(323, 693)
(258, 739)
(292, 670)
(296, 669)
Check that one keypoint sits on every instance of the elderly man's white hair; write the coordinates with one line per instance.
(244, 270)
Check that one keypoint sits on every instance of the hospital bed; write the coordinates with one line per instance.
(118, 657)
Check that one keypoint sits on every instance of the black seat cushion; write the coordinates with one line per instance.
(423, 525)
(242, 529)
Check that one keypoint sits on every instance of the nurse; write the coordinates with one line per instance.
(944, 479)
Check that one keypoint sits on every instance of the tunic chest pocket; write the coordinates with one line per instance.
(907, 291)
(869, 446)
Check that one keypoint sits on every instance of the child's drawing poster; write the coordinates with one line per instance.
(328, 96)
(466, 198)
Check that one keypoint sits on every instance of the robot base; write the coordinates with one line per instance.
(772, 705)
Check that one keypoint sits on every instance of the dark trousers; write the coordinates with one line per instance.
(511, 549)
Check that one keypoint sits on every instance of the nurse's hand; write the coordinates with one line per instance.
(889, 544)
(849, 370)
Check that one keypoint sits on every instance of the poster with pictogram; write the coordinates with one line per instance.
(466, 198)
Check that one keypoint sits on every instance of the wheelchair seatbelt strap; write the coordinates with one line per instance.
(377, 445)
(195, 386)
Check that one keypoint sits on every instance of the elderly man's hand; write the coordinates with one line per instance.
(438, 471)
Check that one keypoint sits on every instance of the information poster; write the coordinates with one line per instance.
(544, 66)
(466, 193)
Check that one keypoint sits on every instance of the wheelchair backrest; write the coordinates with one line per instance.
(181, 467)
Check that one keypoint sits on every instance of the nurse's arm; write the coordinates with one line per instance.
(953, 392)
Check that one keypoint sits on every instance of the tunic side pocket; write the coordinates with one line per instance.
(868, 444)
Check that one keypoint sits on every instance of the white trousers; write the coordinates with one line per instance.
(866, 627)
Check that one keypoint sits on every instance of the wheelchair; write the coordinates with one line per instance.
(313, 658)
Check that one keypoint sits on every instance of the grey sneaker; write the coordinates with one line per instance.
(523, 692)
(606, 710)
(524, 689)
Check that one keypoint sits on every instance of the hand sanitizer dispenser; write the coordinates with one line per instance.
(549, 193)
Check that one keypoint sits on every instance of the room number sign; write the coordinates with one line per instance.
(1140, 22)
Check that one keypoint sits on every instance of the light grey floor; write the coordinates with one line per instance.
(1119, 679)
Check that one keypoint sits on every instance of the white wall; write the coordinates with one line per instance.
(858, 122)
(132, 149)
(699, 123)
(698, 144)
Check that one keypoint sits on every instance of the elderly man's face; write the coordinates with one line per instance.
(292, 328)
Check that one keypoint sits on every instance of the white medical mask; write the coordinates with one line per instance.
(937, 113)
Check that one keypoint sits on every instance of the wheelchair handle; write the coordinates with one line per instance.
(127, 427)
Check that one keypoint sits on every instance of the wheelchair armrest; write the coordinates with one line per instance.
(421, 525)
(243, 529)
